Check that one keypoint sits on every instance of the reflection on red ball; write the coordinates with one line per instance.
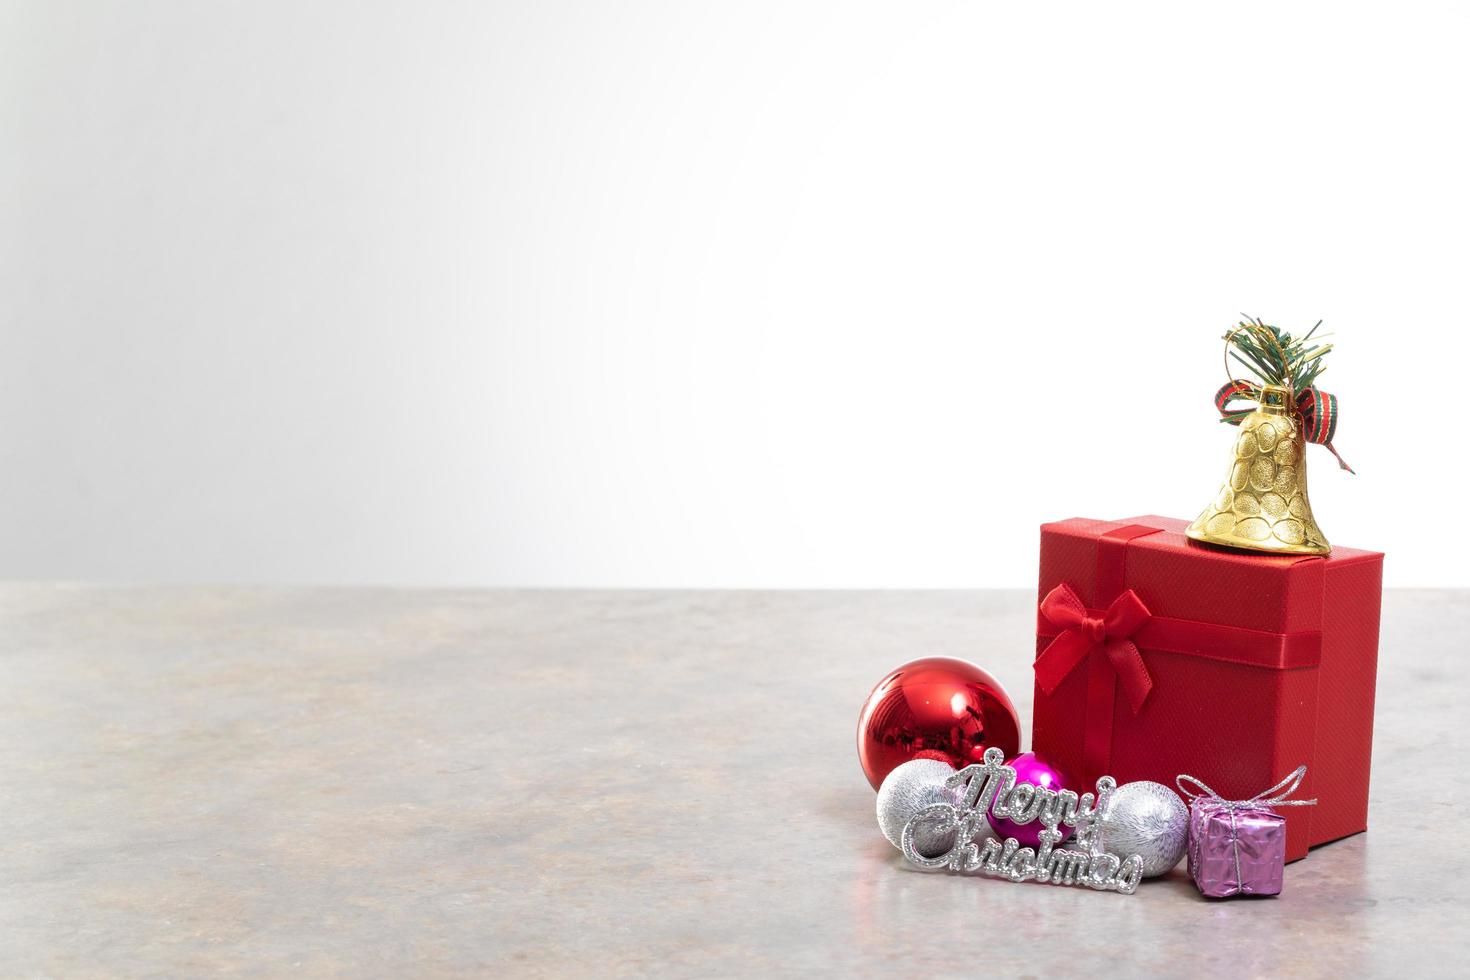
(935, 708)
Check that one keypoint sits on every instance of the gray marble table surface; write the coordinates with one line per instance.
(338, 782)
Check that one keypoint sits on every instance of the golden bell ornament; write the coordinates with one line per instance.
(1263, 504)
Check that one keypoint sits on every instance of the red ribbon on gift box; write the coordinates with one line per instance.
(1111, 637)
(1084, 629)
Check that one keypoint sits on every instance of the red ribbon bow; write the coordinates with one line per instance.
(1084, 629)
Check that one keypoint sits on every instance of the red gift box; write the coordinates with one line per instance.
(1157, 655)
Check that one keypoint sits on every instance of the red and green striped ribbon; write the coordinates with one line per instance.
(1317, 408)
(1232, 391)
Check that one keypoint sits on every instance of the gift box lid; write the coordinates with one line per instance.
(1179, 577)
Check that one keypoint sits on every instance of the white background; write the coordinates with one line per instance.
(686, 294)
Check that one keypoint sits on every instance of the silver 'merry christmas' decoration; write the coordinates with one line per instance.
(992, 786)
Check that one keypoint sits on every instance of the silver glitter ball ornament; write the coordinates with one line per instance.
(1147, 819)
(907, 790)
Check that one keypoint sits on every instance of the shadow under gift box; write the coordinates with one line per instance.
(1254, 664)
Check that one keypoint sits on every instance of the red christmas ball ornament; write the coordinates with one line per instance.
(935, 708)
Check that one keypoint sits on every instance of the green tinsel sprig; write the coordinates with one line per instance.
(1275, 357)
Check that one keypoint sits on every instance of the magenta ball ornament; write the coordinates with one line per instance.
(1030, 768)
